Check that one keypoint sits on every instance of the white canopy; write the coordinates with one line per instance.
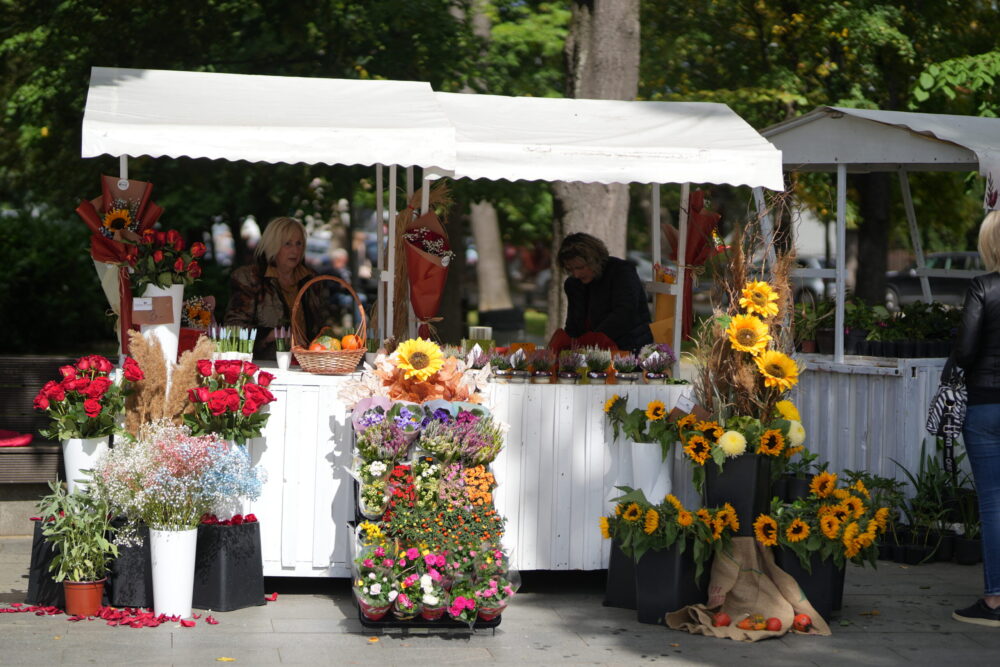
(265, 118)
(607, 141)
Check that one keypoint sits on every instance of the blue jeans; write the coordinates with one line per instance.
(982, 442)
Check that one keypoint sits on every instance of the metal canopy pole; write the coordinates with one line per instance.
(654, 221)
(123, 172)
(380, 312)
(838, 321)
(390, 280)
(911, 219)
(766, 226)
(411, 317)
(682, 225)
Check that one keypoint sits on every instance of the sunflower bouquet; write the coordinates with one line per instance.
(838, 522)
(639, 525)
(647, 424)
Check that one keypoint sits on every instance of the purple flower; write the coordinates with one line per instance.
(442, 415)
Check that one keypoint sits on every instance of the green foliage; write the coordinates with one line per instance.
(78, 526)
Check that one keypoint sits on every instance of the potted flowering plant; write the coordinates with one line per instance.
(474, 439)
(519, 365)
(433, 596)
(541, 363)
(597, 361)
(405, 593)
(569, 366)
(656, 360)
(626, 368)
(495, 582)
(500, 363)
(641, 424)
(84, 407)
(228, 401)
(373, 582)
(463, 607)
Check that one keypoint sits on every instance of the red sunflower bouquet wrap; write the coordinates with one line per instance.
(428, 255)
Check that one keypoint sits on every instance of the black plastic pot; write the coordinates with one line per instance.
(795, 488)
(890, 348)
(823, 587)
(824, 341)
(968, 552)
(665, 581)
(130, 580)
(228, 567)
(915, 554)
(853, 339)
(619, 590)
(745, 483)
(906, 349)
(945, 551)
(875, 348)
(42, 589)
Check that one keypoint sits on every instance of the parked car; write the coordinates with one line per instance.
(904, 286)
(807, 289)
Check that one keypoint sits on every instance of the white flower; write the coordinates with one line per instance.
(426, 583)
(733, 443)
(392, 595)
(376, 468)
(364, 589)
(796, 433)
(371, 575)
(376, 589)
(431, 600)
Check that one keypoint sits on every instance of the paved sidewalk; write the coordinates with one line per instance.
(892, 616)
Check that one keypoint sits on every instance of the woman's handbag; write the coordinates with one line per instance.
(947, 411)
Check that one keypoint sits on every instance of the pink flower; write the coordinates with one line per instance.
(412, 553)
(435, 575)
(387, 562)
(368, 562)
(402, 562)
(379, 551)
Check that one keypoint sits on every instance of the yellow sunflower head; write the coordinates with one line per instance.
(619, 509)
(860, 487)
(765, 529)
(605, 528)
(610, 403)
(823, 484)
(788, 411)
(792, 451)
(673, 501)
(830, 525)
(704, 515)
(698, 449)
(797, 531)
(772, 442)
(651, 521)
(758, 297)
(419, 359)
(747, 333)
(684, 518)
(882, 518)
(778, 369)
(655, 411)
(686, 422)
(710, 429)
(117, 219)
(855, 505)
(633, 512)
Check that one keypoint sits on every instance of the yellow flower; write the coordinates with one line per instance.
(652, 521)
(796, 433)
(605, 528)
(117, 219)
(830, 525)
(686, 422)
(610, 403)
(718, 525)
(711, 430)
(841, 494)
(655, 411)
(797, 530)
(792, 451)
(860, 487)
(842, 512)
(851, 547)
(788, 410)
(733, 443)
(766, 530)
(758, 297)
(747, 333)
(633, 512)
(778, 369)
(372, 532)
(698, 449)
(882, 518)
(705, 516)
(674, 502)
(619, 508)
(728, 515)
(684, 518)
(419, 359)
(855, 505)
(823, 484)
(772, 442)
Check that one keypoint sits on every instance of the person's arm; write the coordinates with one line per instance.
(244, 290)
(576, 315)
(969, 340)
(626, 293)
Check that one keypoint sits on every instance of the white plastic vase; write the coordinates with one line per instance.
(81, 454)
(173, 554)
(168, 334)
(649, 471)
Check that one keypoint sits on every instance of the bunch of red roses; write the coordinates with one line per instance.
(228, 400)
(86, 402)
(160, 259)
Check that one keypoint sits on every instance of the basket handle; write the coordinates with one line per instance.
(297, 329)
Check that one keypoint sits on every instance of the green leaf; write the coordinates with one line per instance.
(926, 81)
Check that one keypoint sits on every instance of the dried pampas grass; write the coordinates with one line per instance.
(146, 403)
(184, 377)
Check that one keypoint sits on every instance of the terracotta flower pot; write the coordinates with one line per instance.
(83, 598)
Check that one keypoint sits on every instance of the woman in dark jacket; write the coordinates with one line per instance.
(978, 353)
(606, 302)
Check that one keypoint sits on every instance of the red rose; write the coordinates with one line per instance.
(79, 384)
(161, 238)
(157, 256)
(250, 406)
(209, 519)
(92, 407)
(250, 369)
(198, 249)
(250, 518)
(172, 236)
(204, 367)
(148, 236)
(264, 379)
(83, 363)
(179, 264)
(231, 375)
(54, 391)
(199, 395)
(41, 403)
(68, 372)
(237, 520)
(132, 371)
(97, 387)
(232, 399)
(268, 396)
(223, 366)
(217, 402)
(101, 363)
(194, 270)
(255, 392)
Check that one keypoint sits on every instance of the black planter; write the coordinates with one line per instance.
(875, 348)
(853, 339)
(884, 551)
(922, 349)
(823, 587)
(945, 541)
(824, 341)
(228, 567)
(942, 348)
(745, 483)
(795, 488)
(779, 487)
(906, 349)
(130, 581)
(890, 348)
(968, 552)
(916, 554)
(619, 591)
(42, 589)
(665, 581)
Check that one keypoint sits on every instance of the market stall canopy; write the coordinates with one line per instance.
(607, 141)
(875, 140)
(265, 118)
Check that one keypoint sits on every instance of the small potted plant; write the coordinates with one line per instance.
(597, 361)
(501, 367)
(806, 320)
(373, 583)
(541, 366)
(569, 366)
(656, 360)
(626, 368)
(519, 364)
(78, 527)
(283, 347)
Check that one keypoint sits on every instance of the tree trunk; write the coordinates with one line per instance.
(602, 62)
(873, 237)
(491, 270)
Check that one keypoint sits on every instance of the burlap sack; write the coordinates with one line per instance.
(747, 582)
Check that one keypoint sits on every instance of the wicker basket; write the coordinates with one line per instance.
(327, 362)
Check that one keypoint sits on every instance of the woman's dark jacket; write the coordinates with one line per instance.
(256, 301)
(977, 350)
(613, 304)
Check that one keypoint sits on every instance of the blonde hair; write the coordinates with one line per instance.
(275, 234)
(989, 240)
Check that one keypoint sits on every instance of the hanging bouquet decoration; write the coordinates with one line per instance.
(428, 255)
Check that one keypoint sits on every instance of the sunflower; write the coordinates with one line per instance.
(728, 514)
(686, 422)
(830, 525)
(705, 516)
(633, 512)
(747, 333)
(842, 512)
(797, 530)
(851, 547)
(771, 442)
(605, 528)
(610, 403)
(419, 359)
(787, 410)
(841, 494)
(651, 522)
(882, 518)
(684, 518)
(711, 430)
(860, 487)
(655, 411)
(619, 509)
(733, 443)
(855, 505)
(674, 502)
(117, 219)
(698, 449)
(823, 484)
(792, 451)
(718, 525)
(778, 369)
(765, 529)
(758, 297)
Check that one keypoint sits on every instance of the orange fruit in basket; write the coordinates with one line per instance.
(350, 342)
(324, 343)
